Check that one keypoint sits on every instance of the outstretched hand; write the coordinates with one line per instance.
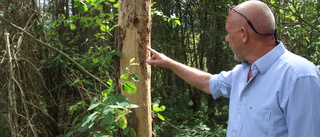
(158, 59)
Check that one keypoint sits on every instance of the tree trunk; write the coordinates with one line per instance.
(133, 38)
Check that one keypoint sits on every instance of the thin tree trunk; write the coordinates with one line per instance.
(12, 108)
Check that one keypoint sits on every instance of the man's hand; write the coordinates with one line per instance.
(159, 59)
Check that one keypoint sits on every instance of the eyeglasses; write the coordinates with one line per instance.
(251, 25)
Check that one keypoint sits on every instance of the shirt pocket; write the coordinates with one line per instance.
(256, 121)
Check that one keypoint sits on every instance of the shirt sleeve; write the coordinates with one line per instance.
(303, 111)
(220, 85)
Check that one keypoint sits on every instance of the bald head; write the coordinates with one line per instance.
(251, 42)
(258, 13)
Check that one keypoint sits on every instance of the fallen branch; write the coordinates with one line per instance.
(55, 49)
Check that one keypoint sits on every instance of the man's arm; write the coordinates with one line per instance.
(194, 77)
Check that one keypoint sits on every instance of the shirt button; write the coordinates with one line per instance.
(238, 116)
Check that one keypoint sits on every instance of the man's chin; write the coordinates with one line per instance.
(237, 58)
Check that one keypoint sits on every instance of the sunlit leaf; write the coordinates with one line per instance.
(73, 26)
(125, 76)
(95, 60)
(131, 60)
(110, 82)
(161, 117)
(123, 122)
(157, 109)
(116, 5)
(132, 106)
(94, 105)
(129, 87)
(91, 125)
(177, 22)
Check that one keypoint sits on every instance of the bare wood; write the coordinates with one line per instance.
(11, 89)
(134, 30)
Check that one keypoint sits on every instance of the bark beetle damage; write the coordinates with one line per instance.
(124, 6)
(144, 28)
(141, 20)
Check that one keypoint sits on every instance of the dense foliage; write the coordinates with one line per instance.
(45, 94)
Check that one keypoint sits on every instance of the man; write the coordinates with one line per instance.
(273, 93)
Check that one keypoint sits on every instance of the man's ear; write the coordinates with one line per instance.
(244, 35)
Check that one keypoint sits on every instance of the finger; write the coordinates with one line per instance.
(151, 62)
(152, 51)
(153, 57)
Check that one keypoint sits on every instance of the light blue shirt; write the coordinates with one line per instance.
(282, 99)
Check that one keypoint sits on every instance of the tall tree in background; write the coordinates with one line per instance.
(134, 36)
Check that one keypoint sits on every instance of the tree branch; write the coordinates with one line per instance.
(57, 50)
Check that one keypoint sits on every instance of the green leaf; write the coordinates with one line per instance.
(73, 26)
(107, 119)
(161, 117)
(82, 8)
(123, 122)
(107, 109)
(98, 21)
(126, 131)
(134, 77)
(94, 105)
(90, 126)
(117, 53)
(177, 22)
(116, 98)
(116, 106)
(132, 106)
(95, 60)
(157, 109)
(70, 133)
(116, 5)
(104, 27)
(272, 1)
(133, 132)
(76, 81)
(125, 76)
(91, 117)
(110, 82)
(129, 87)
(83, 128)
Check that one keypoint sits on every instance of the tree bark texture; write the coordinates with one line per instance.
(133, 38)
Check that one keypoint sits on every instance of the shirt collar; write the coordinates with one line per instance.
(266, 61)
